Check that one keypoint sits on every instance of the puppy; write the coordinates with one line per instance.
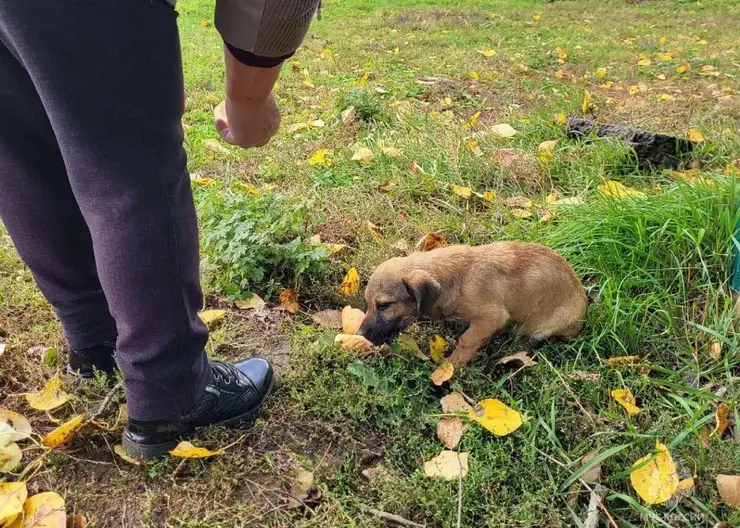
(485, 287)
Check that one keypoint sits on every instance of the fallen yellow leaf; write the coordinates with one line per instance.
(474, 119)
(188, 450)
(504, 130)
(212, 317)
(375, 232)
(722, 419)
(351, 283)
(487, 52)
(215, 146)
(715, 351)
(561, 118)
(14, 427)
(686, 487)
(254, 302)
(65, 432)
(657, 480)
(695, 135)
(10, 457)
(622, 360)
(363, 156)
(683, 68)
(307, 78)
(551, 198)
(12, 497)
(408, 345)
(303, 489)
(121, 452)
(391, 152)
(729, 490)
(353, 342)
(625, 398)
(522, 213)
(289, 301)
(545, 150)
(474, 76)
(487, 196)
(666, 57)
(438, 347)
(450, 431)
(586, 102)
(644, 62)
(536, 17)
(615, 189)
(321, 157)
(562, 54)
(50, 397)
(351, 319)
(663, 40)
(633, 90)
(449, 465)
(496, 417)
(465, 192)
(443, 374)
(431, 241)
(44, 510)
(601, 73)
(665, 97)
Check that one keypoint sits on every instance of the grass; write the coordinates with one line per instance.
(657, 268)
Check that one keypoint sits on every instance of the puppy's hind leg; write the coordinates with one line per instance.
(476, 336)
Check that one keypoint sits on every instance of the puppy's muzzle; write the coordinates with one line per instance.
(380, 332)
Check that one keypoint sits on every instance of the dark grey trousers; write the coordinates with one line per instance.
(94, 189)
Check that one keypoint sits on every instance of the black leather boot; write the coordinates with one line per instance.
(85, 362)
(234, 394)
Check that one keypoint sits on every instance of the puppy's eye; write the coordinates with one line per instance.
(383, 306)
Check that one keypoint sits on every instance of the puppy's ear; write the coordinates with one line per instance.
(424, 288)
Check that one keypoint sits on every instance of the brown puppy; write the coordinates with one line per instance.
(485, 287)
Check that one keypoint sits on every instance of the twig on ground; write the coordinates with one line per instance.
(459, 496)
(592, 516)
(390, 517)
(106, 401)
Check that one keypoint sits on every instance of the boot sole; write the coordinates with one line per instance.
(146, 452)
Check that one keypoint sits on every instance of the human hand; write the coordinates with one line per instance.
(247, 125)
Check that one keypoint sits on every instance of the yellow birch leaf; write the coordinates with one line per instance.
(561, 118)
(551, 198)
(374, 231)
(625, 398)
(188, 450)
(644, 62)
(50, 397)
(657, 480)
(438, 347)
(504, 130)
(622, 360)
(686, 487)
(487, 196)
(65, 432)
(321, 157)
(353, 342)
(351, 319)
(474, 119)
(121, 452)
(683, 68)
(722, 419)
(45, 510)
(10, 457)
(450, 431)
(464, 192)
(409, 346)
(695, 135)
(12, 497)
(496, 417)
(289, 301)
(351, 283)
(665, 97)
(396, 51)
(14, 427)
(521, 213)
(212, 317)
(633, 90)
(545, 151)
(443, 374)
(586, 103)
(715, 352)
(663, 40)
(253, 303)
(666, 57)
(537, 17)
(615, 189)
(392, 152)
(474, 76)
(487, 52)
(601, 73)
(449, 465)
(363, 155)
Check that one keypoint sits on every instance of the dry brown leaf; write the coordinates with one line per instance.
(375, 232)
(729, 489)
(353, 342)
(375, 474)
(50, 397)
(430, 241)
(593, 474)
(715, 350)
(289, 301)
(76, 520)
(351, 319)
(65, 432)
(722, 419)
(518, 201)
(392, 152)
(331, 319)
(253, 303)
(520, 357)
(455, 402)
(443, 373)
(449, 465)
(363, 155)
(503, 130)
(450, 431)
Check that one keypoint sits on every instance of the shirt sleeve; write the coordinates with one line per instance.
(264, 33)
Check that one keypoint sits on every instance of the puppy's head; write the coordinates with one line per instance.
(395, 298)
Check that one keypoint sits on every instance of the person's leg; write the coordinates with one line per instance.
(41, 215)
(109, 76)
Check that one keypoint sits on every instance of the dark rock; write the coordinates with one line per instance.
(653, 150)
